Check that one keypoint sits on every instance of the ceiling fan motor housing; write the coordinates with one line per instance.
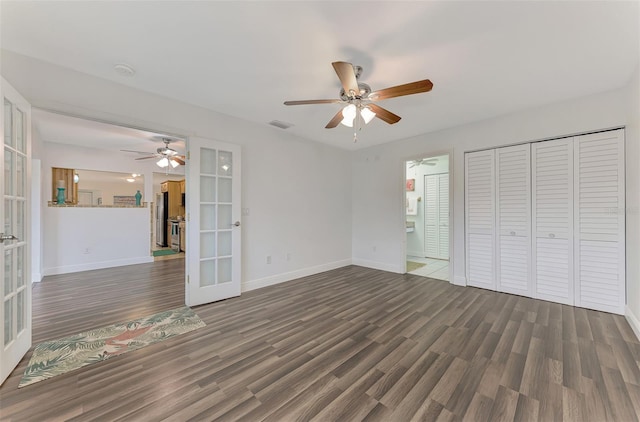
(365, 90)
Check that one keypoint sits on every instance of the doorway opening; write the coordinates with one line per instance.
(168, 231)
(427, 216)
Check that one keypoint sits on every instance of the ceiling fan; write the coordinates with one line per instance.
(168, 156)
(360, 101)
(424, 162)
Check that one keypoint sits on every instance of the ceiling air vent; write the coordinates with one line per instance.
(281, 125)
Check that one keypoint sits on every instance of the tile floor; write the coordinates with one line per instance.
(435, 268)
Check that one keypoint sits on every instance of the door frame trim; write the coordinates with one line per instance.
(402, 211)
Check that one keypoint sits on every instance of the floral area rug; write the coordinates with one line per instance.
(57, 357)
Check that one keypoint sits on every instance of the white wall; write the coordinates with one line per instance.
(113, 237)
(37, 198)
(298, 192)
(378, 172)
(632, 137)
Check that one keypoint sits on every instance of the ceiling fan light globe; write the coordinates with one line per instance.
(349, 113)
(367, 115)
(163, 162)
(174, 163)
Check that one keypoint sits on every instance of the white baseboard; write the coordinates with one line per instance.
(634, 321)
(420, 254)
(66, 269)
(459, 280)
(36, 277)
(281, 278)
(378, 265)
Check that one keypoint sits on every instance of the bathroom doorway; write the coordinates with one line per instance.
(428, 215)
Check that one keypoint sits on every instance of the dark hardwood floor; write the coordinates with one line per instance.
(348, 344)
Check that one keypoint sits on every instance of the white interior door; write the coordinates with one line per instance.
(552, 198)
(513, 219)
(15, 159)
(213, 221)
(480, 218)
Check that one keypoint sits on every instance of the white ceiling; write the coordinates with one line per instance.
(245, 58)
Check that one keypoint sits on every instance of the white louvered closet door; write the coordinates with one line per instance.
(443, 216)
(552, 215)
(513, 219)
(436, 207)
(480, 218)
(599, 221)
(431, 232)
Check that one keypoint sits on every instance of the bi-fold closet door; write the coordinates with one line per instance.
(498, 219)
(513, 220)
(552, 197)
(558, 227)
(436, 207)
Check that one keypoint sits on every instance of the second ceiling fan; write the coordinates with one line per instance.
(167, 155)
(360, 101)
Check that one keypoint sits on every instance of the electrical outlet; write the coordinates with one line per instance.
(268, 259)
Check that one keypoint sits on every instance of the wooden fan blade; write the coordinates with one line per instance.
(384, 114)
(335, 120)
(146, 158)
(304, 102)
(347, 77)
(137, 152)
(400, 90)
(178, 160)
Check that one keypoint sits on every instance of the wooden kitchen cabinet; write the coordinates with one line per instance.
(71, 188)
(172, 187)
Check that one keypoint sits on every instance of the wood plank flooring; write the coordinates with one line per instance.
(346, 345)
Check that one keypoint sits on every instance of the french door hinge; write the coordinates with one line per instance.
(188, 155)
(188, 280)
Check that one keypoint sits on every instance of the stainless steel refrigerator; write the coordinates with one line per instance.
(162, 208)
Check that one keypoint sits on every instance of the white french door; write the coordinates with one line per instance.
(15, 159)
(213, 221)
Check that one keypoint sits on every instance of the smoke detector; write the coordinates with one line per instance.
(280, 124)
(124, 70)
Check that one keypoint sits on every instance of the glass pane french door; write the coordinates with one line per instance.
(213, 201)
(15, 337)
